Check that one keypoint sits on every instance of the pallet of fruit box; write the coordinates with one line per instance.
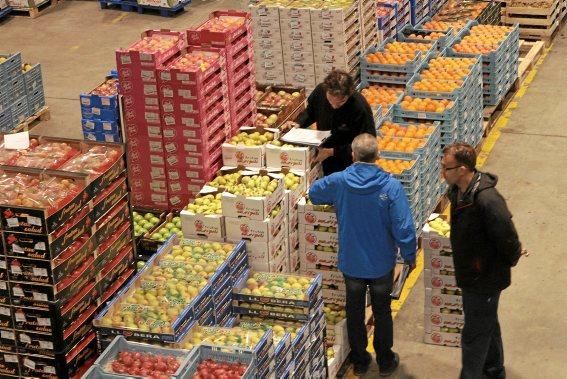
(189, 295)
(537, 20)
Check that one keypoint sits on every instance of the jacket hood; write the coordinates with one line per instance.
(365, 178)
(487, 180)
(479, 182)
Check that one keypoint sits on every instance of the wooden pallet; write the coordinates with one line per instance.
(31, 122)
(540, 24)
(530, 52)
(492, 113)
(35, 12)
(133, 6)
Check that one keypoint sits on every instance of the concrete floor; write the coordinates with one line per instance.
(75, 44)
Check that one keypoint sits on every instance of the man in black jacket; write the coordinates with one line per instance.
(485, 247)
(335, 105)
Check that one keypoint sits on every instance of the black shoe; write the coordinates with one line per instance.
(387, 370)
(360, 370)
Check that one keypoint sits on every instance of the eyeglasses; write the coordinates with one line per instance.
(449, 168)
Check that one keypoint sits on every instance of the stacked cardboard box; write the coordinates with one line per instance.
(444, 318)
(64, 254)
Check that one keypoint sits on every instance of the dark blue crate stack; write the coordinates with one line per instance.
(13, 99)
(101, 116)
(403, 14)
(386, 21)
(499, 67)
(468, 100)
(435, 6)
(33, 83)
(419, 11)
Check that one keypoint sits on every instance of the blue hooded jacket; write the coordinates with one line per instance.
(374, 219)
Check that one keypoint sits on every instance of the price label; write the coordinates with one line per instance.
(40, 296)
(17, 291)
(7, 335)
(3, 265)
(5, 311)
(41, 321)
(421, 115)
(9, 358)
(49, 370)
(3, 286)
(34, 221)
(40, 246)
(17, 249)
(25, 338)
(16, 269)
(20, 317)
(40, 271)
(12, 222)
(29, 363)
(46, 345)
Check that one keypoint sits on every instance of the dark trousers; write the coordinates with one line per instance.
(380, 290)
(482, 350)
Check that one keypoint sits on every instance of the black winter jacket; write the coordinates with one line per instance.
(484, 239)
(353, 118)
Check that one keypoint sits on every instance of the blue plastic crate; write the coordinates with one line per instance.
(110, 137)
(5, 98)
(410, 67)
(6, 120)
(442, 42)
(16, 87)
(20, 110)
(11, 67)
(449, 114)
(221, 354)
(457, 94)
(36, 100)
(32, 78)
(99, 126)
(104, 102)
(94, 113)
(373, 77)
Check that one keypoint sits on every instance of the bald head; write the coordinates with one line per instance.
(365, 148)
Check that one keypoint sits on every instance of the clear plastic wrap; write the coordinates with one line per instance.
(93, 162)
(48, 155)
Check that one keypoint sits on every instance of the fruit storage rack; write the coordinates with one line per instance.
(133, 6)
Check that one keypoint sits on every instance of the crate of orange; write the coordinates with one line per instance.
(379, 60)
(427, 48)
(412, 34)
(382, 95)
(405, 170)
(437, 89)
(426, 108)
(428, 131)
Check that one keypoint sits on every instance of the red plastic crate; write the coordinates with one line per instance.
(202, 104)
(247, 68)
(143, 129)
(131, 57)
(243, 88)
(195, 135)
(178, 201)
(200, 36)
(242, 53)
(179, 90)
(203, 160)
(148, 199)
(168, 74)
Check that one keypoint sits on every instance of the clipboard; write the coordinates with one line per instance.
(306, 137)
(400, 282)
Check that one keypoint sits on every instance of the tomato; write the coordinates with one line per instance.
(160, 366)
(148, 365)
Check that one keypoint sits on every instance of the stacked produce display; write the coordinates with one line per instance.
(100, 112)
(444, 317)
(21, 91)
(277, 104)
(67, 249)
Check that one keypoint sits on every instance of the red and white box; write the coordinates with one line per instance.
(254, 230)
(248, 156)
(310, 214)
(311, 239)
(141, 54)
(206, 34)
(440, 299)
(314, 259)
(444, 339)
(298, 158)
(441, 282)
(332, 278)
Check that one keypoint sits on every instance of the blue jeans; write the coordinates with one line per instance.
(481, 342)
(380, 290)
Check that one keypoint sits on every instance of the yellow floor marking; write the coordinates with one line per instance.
(74, 48)
(119, 18)
(487, 147)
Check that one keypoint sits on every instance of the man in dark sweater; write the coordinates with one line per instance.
(335, 105)
(485, 247)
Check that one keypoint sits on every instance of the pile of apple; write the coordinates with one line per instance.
(279, 327)
(93, 162)
(251, 139)
(156, 43)
(206, 205)
(223, 24)
(168, 229)
(153, 366)
(277, 286)
(195, 61)
(264, 121)
(279, 143)
(30, 191)
(211, 369)
(278, 99)
(235, 337)
(225, 180)
(327, 229)
(143, 224)
(255, 185)
(26, 67)
(322, 208)
(440, 226)
(334, 313)
(291, 181)
(48, 155)
(108, 88)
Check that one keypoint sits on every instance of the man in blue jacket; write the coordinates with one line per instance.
(374, 221)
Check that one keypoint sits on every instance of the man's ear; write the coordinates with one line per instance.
(352, 154)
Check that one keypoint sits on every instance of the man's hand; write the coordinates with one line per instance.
(324, 153)
(411, 265)
(288, 125)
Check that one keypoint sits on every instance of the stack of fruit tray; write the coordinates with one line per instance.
(369, 33)
(123, 358)
(465, 90)
(99, 111)
(34, 86)
(435, 6)
(381, 98)
(167, 307)
(386, 21)
(231, 31)
(415, 167)
(444, 317)
(15, 95)
(196, 119)
(499, 47)
(286, 102)
(138, 75)
(337, 38)
(230, 361)
(403, 14)
(419, 10)
(394, 62)
(67, 240)
(258, 342)
(266, 295)
(414, 34)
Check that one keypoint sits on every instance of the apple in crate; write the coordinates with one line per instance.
(195, 60)
(264, 121)
(223, 24)
(207, 205)
(279, 99)
(108, 88)
(252, 139)
(225, 180)
(167, 230)
(155, 43)
(143, 224)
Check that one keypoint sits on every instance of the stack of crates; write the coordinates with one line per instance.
(99, 111)
(236, 41)
(499, 65)
(196, 120)
(337, 37)
(268, 44)
(386, 20)
(403, 14)
(378, 64)
(444, 318)
(466, 95)
(369, 32)
(419, 10)
(435, 6)
(138, 76)
(34, 87)
(21, 91)
(415, 34)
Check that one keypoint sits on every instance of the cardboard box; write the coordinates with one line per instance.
(309, 216)
(298, 158)
(310, 239)
(293, 239)
(210, 227)
(446, 323)
(255, 208)
(439, 265)
(444, 339)
(265, 252)
(279, 263)
(333, 279)
(335, 296)
(254, 230)
(268, 44)
(313, 259)
(315, 173)
(437, 298)
(440, 282)
(292, 197)
(260, 13)
(249, 156)
(293, 258)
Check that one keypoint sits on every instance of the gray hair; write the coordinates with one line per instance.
(365, 148)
